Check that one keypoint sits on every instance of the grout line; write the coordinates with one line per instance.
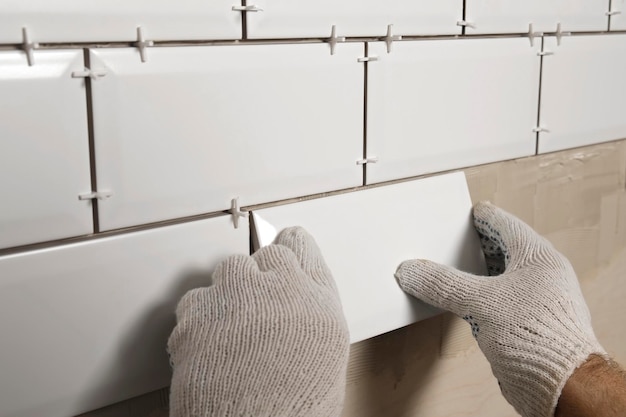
(539, 97)
(610, 17)
(464, 14)
(244, 21)
(92, 143)
(222, 42)
(110, 233)
(365, 80)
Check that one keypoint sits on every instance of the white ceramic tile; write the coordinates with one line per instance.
(44, 148)
(299, 18)
(507, 16)
(86, 325)
(117, 20)
(583, 99)
(438, 105)
(618, 20)
(364, 236)
(194, 127)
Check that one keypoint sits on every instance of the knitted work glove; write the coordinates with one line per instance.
(267, 339)
(529, 317)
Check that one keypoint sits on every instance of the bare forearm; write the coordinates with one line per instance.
(597, 388)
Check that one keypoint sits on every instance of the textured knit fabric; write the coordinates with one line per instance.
(529, 317)
(267, 339)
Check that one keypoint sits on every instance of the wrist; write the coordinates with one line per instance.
(596, 388)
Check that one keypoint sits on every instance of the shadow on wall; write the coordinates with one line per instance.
(134, 364)
(388, 374)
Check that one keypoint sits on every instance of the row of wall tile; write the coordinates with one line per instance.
(194, 127)
(162, 20)
(86, 324)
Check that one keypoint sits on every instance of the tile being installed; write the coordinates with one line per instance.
(298, 18)
(513, 16)
(110, 21)
(583, 97)
(194, 127)
(86, 325)
(44, 150)
(439, 105)
(365, 235)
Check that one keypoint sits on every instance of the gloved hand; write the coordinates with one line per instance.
(529, 317)
(267, 339)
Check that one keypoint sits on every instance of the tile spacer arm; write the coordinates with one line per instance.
(372, 58)
(540, 129)
(250, 8)
(236, 212)
(28, 47)
(99, 195)
(364, 161)
(560, 34)
(613, 12)
(142, 44)
(390, 38)
(532, 34)
(334, 39)
(94, 74)
(465, 23)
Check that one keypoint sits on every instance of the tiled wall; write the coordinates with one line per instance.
(127, 128)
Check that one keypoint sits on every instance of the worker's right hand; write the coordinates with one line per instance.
(529, 316)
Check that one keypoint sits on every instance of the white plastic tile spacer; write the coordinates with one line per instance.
(236, 212)
(532, 34)
(367, 59)
(371, 160)
(334, 39)
(28, 47)
(613, 12)
(545, 53)
(99, 195)
(560, 34)
(540, 129)
(390, 38)
(250, 8)
(142, 44)
(465, 23)
(94, 74)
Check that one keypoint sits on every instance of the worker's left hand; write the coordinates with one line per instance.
(267, 339)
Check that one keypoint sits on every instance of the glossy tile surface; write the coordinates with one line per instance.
(44, 148)
(583, 99)
(513, 16)
(298, 18)
(87, 324)
(117, 20)
(194, 127)
(365, 235)
(439, 105)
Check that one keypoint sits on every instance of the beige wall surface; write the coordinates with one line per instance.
(577, 199)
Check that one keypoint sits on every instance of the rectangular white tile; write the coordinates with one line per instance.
(194, 127)
(365, 235)
(442, 104)
(583, 98)
(86, 325)
(102, 21)
(618, 19)
(514, 16)
(44, 148)
(298, 18)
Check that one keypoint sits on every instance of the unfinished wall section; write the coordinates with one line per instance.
(434, 368)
